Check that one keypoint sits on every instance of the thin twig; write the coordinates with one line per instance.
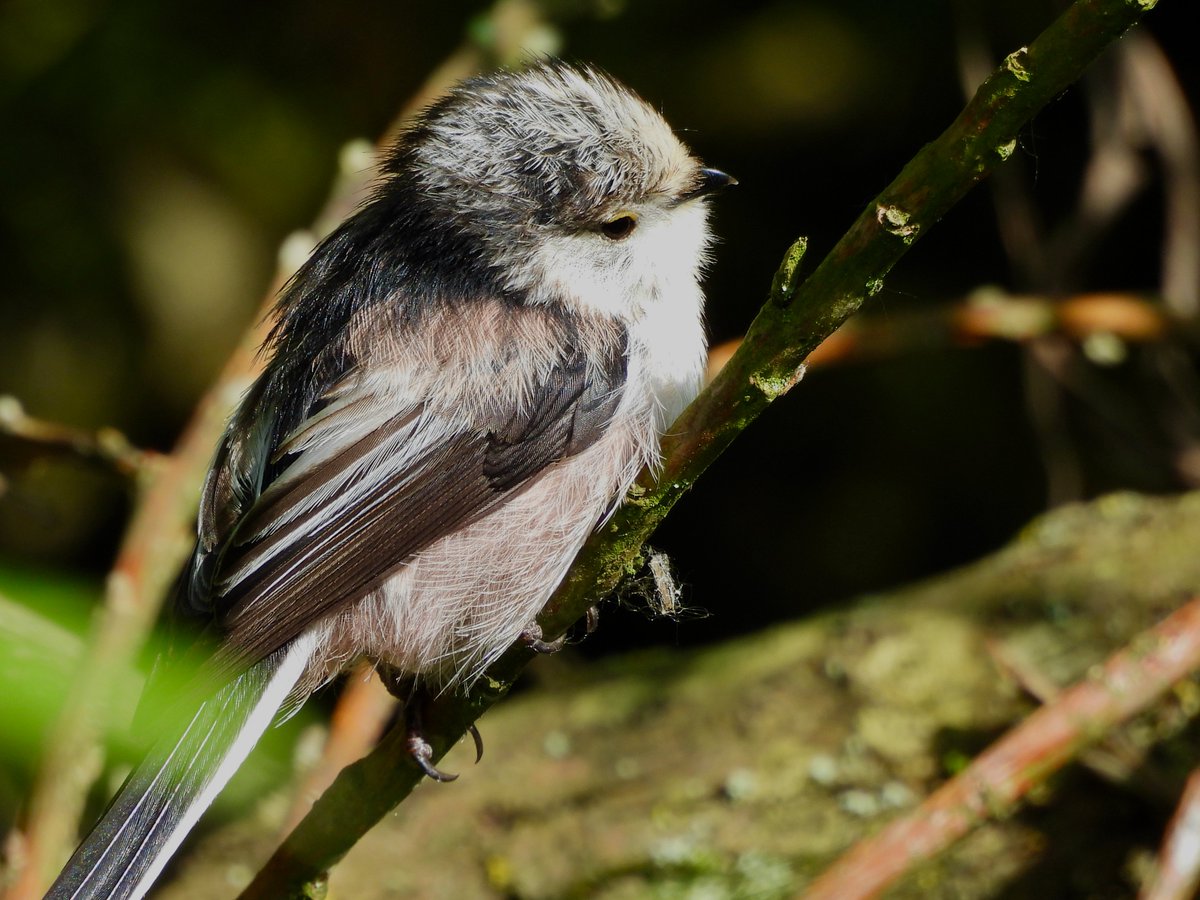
(1166, 125)
(795, 319)
(1116, 757)
(1177, 876)
(106, 447)
(1130, 681)
(1101, 322)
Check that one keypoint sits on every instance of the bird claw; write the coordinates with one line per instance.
(422, 754)
(532, 638)
(420, 749)
(478, 739)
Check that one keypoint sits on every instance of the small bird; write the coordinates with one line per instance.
(461, 383)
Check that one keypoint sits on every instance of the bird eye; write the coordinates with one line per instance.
(620, 227)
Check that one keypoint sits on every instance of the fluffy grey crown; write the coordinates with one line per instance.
(551, 145)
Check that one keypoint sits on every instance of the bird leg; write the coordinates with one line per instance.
(398, 684)
(405, 688)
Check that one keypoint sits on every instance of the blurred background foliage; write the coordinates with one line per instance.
(154, 156)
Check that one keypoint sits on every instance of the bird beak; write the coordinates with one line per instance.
(709, 181)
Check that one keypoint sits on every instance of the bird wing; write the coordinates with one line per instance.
(365, 485)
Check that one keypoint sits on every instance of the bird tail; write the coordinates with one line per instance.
(167, 793)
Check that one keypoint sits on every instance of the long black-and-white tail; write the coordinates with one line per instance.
(169, 790)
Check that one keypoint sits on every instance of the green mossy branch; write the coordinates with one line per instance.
(795, 319)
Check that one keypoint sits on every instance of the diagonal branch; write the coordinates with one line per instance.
(1005, 773)
(795, 319)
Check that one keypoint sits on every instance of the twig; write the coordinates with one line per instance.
(1051, 258)
(1116, 757)
(795, 319)
(106, 447)
(1165, 125)
(989, 314)
(1178, 874)
(1004, 773)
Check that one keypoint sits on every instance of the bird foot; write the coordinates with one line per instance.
(422, 754)
(419, 748)
(535, 641)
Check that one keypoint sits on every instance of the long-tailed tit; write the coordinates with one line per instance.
(462, 381)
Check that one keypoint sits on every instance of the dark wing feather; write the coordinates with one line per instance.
(348, 550)
(563, 420)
